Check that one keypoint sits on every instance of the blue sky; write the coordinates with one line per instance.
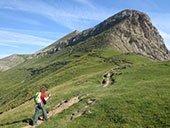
(29, 25)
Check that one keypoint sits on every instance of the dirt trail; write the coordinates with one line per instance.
(59, 108)
(109, 77)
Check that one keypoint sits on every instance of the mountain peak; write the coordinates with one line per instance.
(129, 31)
(128, 12)
(131, 14)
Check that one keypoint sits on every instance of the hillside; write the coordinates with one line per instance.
(11, 61)
(114, 83)
(140, 89)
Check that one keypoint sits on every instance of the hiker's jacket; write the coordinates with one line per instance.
(43, 96)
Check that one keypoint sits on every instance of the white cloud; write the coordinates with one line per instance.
(8, 45)
(12, 39)
(166, 37)
(49, 34)
(85, 2)
(25, 20)
(72, 17)
(4, 55)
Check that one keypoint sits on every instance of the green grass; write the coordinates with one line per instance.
(111, 53)
(138, 98)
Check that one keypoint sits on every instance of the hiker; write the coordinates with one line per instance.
(40, 100)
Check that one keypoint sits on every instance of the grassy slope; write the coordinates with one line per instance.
(139, 98)
(21, 82)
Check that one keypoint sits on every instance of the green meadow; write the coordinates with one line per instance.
(139, 97)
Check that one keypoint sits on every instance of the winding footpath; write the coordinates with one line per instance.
(59, 108)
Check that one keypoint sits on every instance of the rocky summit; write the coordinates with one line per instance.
(129, 31)
(136, 34)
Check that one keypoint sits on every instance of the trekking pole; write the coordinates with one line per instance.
(50, 102)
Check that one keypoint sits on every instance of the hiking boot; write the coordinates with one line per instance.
(34, 123)
(44, 119)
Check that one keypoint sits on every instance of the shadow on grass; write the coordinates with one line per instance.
(30, 121)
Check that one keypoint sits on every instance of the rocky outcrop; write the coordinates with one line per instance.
(136, 34)
(57, 46)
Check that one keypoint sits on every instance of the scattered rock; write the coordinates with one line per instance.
(89, 111)
(81, 112)
(65, 101)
